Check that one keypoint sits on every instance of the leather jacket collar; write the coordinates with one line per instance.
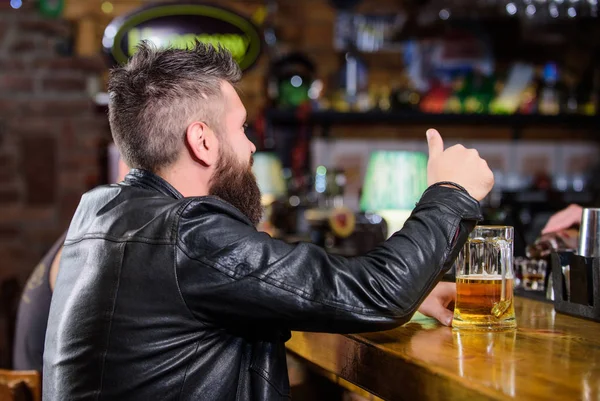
(146, 179)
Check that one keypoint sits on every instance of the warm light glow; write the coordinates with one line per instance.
(315, 89)
(107, 7)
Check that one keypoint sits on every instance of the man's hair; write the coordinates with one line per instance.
(158, 93)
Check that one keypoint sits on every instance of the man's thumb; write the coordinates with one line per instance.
(435, 142)
(444, 316)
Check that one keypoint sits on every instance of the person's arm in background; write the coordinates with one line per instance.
(563, 219)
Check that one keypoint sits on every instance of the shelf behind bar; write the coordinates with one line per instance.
(379, 117)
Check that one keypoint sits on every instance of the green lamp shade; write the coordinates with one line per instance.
(268, 171)
(395, 180)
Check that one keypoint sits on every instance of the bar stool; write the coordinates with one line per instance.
(20, 385)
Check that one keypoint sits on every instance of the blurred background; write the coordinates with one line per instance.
(339, 95)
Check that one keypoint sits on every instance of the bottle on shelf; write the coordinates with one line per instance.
(549, 103)
(455, 104)
(383, 102)
(353, 81)
(590, 94)
(403, 96)
(480, 91)
(529, 100)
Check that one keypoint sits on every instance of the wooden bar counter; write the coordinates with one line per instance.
(550, 356)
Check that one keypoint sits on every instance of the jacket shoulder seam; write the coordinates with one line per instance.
(187, 307)
(114, 306)
(156, 241)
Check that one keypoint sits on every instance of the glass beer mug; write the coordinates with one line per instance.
(484, 281)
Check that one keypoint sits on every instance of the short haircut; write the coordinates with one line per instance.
(159, 92)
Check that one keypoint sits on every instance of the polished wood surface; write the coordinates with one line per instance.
(20, 385)
(550, 356)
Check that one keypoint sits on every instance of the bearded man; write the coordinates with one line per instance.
(167, 291)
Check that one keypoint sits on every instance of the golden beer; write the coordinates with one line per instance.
(476, 296)
(484, 280)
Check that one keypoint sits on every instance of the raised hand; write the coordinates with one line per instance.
(459, 165)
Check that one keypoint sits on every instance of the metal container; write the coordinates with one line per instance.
(589, 234)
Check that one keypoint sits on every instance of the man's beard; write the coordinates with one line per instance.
(237, 185)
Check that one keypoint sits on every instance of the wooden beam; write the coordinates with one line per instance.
(76, 9)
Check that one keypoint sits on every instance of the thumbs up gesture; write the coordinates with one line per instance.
(459, 165)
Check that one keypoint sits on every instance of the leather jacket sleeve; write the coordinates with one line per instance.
(231, 274)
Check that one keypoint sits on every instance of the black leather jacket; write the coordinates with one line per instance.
(161, 297)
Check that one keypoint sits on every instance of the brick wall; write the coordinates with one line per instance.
(52, 138)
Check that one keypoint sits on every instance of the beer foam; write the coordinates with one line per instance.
(481, 277)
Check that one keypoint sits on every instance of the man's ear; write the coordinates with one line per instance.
(202, 143)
